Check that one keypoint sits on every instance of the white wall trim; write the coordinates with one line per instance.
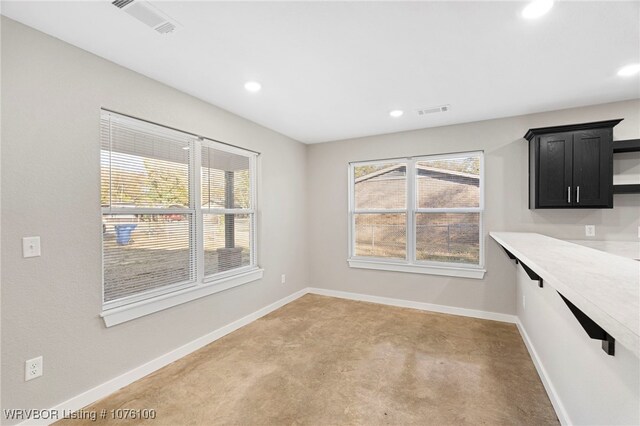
(139, 309)
(110, 386)
(431, 307)
(417, 268)
(558, 406)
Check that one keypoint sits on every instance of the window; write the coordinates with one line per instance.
(227, 207)
(178, 216)
(421, 214)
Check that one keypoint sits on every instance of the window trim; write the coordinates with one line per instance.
(410, 264)
(141, 308)
(200, 212)
(157, 299)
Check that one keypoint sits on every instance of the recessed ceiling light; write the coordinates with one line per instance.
(537, 8)
(629, 70)
(252, 86)
(396, 113)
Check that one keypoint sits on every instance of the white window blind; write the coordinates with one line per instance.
(157, 238)
(227, 207)
(424, 211)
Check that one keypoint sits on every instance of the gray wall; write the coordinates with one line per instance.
(506, 203)
(51, 98)
(52, 93)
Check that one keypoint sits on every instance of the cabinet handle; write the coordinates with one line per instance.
(568, 194)
(578, 194)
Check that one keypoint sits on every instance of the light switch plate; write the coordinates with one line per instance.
(31, 247)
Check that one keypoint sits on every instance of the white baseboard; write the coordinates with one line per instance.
(431, 307)
(561, 412)
(107, 388)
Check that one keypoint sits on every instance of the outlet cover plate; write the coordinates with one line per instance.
(33, 368)
(590, 230)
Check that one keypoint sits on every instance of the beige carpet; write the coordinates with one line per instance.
(328, 361)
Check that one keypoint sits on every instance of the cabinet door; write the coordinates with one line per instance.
(554, 173)
(592, 164)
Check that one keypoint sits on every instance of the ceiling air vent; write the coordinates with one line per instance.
(167, 27)
(432, 110)
(148, 14)
(121, 3)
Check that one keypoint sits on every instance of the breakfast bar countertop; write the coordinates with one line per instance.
(605, 286)
(630, 249)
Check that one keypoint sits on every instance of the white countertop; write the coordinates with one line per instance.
(606, 287)
(630, 249)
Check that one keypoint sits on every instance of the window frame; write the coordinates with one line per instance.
(200, 212)
(410, 263)
(153, 300)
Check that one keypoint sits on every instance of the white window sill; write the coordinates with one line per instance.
(450, 271)
(135, 310)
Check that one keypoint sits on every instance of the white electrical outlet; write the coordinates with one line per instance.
(283, 279)
(590, 230)
(33, 368)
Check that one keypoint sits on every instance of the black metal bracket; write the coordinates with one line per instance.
(532, 275)
(511, 256)
(529, 271)
(593, 330)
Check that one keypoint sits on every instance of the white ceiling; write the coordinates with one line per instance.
(334, 70)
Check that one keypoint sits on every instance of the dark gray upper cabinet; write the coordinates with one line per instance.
(571, 166)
